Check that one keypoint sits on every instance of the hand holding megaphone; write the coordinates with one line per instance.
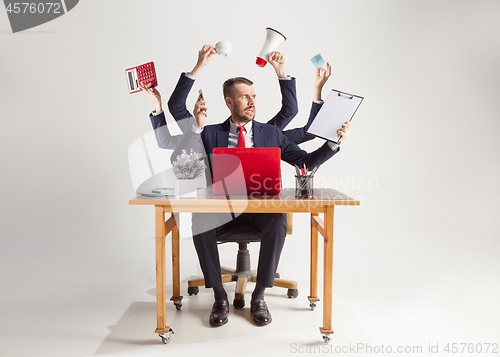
(273, 39)
(278, 61)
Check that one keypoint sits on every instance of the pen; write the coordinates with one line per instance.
(308, 178)
(304, 184)
(306, 181)
(297, 171)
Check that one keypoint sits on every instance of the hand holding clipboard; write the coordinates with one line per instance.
(332, 121)
(343, 131)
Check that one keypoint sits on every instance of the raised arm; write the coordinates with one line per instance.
(299, 135)
(291, 153)
(192, 139)
(177, 102)
(289, 106)
(163, 137)
(204, 57)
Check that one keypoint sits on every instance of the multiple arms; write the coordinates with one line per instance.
(185, 120)
(289, 108)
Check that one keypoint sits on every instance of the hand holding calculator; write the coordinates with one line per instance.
(144, 73)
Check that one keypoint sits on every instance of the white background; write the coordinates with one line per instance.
(420, 256)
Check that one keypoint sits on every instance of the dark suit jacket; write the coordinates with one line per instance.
(167, 141)
(289, 109)
(264, 135)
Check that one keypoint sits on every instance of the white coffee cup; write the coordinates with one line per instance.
(223, 48)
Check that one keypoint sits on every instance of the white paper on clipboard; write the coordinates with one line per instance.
(338, 108)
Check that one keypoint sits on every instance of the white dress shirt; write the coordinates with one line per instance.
(234, 133)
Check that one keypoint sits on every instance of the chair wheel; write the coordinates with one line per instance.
(178, 304)
(327, 339)
(292, 293)
(238, 304)
(312, 305)
(193, 290)
(166, 337)
(277, 275)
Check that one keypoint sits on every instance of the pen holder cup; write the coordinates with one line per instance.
(304, 186)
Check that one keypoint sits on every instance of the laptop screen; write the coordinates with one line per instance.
(246, 171)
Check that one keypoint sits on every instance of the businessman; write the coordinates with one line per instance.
(241, 130)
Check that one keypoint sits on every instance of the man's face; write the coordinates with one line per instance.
(242, 104)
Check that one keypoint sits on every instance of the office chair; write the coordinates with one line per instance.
(243, 235)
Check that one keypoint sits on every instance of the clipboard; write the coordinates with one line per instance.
(338, 108)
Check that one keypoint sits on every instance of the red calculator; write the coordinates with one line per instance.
(144, 73)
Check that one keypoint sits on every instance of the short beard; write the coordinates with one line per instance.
(244, 119)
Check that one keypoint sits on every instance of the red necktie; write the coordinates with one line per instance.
(241, 137)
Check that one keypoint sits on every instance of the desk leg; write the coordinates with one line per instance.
(160, 234)
(313, 297)
(326, 330)
(176, 297)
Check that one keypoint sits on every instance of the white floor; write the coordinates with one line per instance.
(395, 292)
(117, 317)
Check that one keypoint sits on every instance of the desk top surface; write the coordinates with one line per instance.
(206, 201)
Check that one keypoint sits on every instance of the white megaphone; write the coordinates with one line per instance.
(273, 39)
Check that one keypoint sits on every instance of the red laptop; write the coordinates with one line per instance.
(247, 171)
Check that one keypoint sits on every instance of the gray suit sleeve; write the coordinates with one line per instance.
(164, 139)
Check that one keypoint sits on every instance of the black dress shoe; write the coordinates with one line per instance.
(261, 314)
(220, 310)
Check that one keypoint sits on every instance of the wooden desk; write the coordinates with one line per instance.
(323, 201)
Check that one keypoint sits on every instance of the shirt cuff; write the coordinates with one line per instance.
(196, 129)
(318, 101)
(333, 146)
(156, 113)
(189, 76)
(288, 78)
